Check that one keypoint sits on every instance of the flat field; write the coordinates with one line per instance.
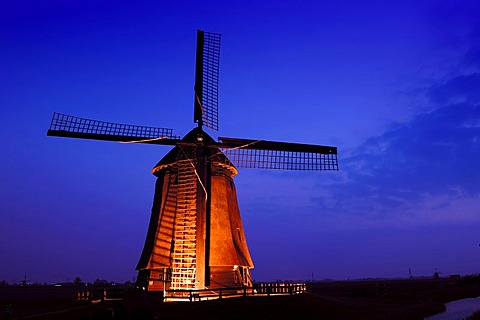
(367, 299)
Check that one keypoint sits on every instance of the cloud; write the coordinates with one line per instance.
(462, 88)
(472, 57)
(422, 165)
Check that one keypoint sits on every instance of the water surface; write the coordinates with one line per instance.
(457, 310)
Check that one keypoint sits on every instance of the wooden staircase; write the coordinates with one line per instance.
(184, 252)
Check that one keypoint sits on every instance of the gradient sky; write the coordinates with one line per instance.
(396, 86)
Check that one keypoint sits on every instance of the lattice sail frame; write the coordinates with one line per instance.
(282, 160)
(207, 75)
(211, 63)
(66, 125)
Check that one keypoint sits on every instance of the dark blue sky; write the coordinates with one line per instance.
(394, 86)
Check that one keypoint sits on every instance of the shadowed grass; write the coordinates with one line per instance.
(475, 316)
(343, 300)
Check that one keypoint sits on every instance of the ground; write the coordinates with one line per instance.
(368, 299)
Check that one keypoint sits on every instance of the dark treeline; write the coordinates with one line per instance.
(77, 282)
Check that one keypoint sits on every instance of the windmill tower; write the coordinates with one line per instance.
(195, 238)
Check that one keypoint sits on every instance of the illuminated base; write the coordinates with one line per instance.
(222, 277)
(258, 290)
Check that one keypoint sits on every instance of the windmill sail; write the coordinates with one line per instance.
(63, 125)
(206, 79)
(263, 154)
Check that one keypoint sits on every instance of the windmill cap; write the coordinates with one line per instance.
(186, 149)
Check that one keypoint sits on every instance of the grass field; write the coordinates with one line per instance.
(475, 316)
(373, 299)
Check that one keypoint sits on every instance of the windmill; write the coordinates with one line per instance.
(195, 238)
